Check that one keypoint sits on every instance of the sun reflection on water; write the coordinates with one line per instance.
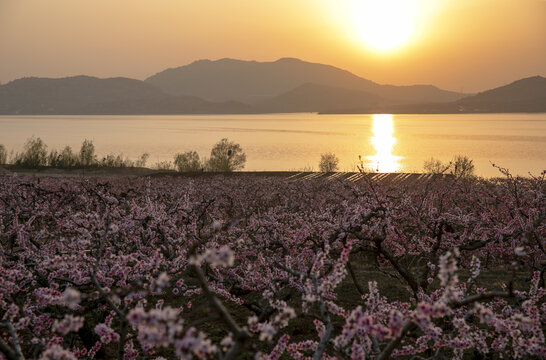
(383, 141)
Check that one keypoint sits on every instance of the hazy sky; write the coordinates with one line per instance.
(462, 45)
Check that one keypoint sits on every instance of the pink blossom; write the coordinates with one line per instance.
(56, 352)
(106, 334)
(68, 324)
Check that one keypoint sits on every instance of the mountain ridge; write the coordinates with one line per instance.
(253, 81)
(523, 95)
(310, 96)
(284, 85)
(87, 95)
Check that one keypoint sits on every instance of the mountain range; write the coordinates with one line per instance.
(525, 95)
(253, 82)
(230, 86)
(81, 95)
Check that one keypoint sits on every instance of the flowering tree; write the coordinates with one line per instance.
(228, 268)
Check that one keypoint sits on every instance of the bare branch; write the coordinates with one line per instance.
(16, 353)
(393, 344)
(323, 311)
(480, 297)
(355, 280)
(117, 310)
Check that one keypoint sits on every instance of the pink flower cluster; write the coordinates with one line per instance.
(68, 324)
(106, 333)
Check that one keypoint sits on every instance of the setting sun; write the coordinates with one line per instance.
(384, 24)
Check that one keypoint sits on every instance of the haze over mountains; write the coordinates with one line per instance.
(236, 86)
(89, 95)
(525, 95)
(252, 82)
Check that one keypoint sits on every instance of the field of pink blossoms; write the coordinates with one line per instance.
(266, 268)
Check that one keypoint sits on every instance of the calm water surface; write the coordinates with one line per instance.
(295, 141)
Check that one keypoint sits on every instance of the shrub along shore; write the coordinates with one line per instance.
(225, 156)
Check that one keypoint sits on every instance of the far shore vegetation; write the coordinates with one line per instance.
(460, 166)
(225, 156)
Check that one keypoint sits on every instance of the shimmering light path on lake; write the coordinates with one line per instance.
(295, 141)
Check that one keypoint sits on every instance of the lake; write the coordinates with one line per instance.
(296, 141)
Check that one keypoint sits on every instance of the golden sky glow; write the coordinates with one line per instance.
(461, 45)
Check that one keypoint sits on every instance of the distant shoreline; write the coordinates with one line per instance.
(427, 113)
(333, 112)
(386, 178)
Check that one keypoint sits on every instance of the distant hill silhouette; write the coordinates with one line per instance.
(312, 97)
(525, 95)
(239, 87)
(255, 82)
(89, 95)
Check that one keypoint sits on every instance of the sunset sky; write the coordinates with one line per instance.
(461, 45)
